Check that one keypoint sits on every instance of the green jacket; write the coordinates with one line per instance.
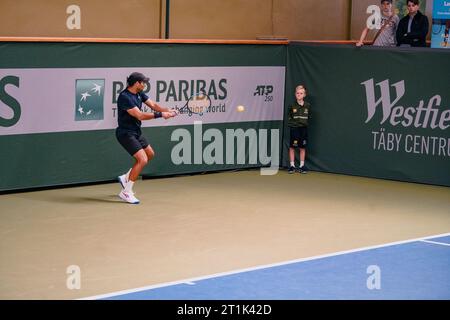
(298, 116)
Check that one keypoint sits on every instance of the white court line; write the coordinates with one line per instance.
(216, 275)
(435, 242)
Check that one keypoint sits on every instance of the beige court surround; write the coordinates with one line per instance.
(192, 226)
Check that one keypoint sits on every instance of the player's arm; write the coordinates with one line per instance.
(155, 106)
(152, 104)
(138, 114)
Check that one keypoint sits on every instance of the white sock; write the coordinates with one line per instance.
(129, 186)
(127, 175)
(302, 163)
(292, 164)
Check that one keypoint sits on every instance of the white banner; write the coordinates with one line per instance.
(70, 99)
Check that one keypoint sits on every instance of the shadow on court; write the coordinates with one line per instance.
(74, 199)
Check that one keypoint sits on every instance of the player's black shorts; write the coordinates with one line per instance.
(132, 142)
(299, 137)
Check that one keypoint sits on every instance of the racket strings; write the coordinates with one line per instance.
(197, 104)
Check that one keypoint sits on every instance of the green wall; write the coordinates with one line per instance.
(341, 133)
(343, 137)
(51, 159)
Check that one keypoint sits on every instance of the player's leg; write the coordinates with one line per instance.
(141, 161)
(124, 178)
(144, 153)
(142, 158)
(133, 144)
(149, 152)
(125, 140)
(127, 193)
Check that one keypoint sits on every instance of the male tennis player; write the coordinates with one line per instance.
(128, 132)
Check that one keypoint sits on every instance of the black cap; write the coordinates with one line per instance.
(390, 1)
(135, 77)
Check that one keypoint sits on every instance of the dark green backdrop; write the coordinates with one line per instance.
(49, 159)
(340, 139)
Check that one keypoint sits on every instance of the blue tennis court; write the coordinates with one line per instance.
(412, 269)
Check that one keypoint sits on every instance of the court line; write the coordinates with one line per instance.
(435, 242)
(266, 266)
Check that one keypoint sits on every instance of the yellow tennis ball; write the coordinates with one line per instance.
(240, 108)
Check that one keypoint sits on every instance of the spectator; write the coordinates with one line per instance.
(412, 29)
(389, 23)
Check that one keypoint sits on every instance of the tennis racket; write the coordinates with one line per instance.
(198, 103)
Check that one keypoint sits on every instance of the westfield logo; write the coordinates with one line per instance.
(420, 116)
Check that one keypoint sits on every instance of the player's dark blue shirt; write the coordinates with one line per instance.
(126, 101)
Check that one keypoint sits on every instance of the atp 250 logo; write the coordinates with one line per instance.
(264, 91)
(10, 115)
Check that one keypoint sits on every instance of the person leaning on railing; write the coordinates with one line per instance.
(386, 34)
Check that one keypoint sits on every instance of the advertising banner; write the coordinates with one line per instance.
(441, 24)
(377, 112)
(64, 100)
(58, 109)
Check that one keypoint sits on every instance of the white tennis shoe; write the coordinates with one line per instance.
(122, 180)
(128, 197)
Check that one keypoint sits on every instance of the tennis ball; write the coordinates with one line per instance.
(240, 108)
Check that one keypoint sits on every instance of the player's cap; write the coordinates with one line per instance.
(135, 77)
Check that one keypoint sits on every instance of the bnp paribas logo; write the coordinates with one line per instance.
(89, 99)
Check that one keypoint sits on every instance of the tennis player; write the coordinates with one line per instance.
(130, 116)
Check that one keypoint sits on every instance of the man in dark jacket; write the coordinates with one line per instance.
(413, 29)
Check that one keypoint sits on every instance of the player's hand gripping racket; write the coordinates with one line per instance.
(198, 103)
